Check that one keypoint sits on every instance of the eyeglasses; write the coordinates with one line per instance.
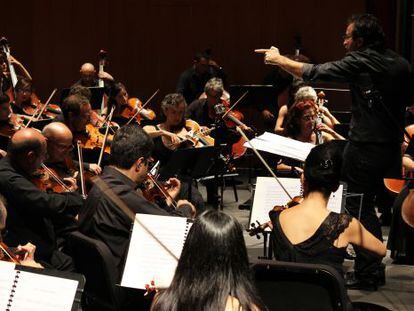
(309, 117)
(62, 146)
(347, 36)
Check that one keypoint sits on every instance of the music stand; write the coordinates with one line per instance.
(97, 94)
(190, 162)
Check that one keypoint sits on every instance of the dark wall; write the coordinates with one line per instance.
(150, 42)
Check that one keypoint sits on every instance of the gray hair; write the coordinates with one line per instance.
(172, 100)
(214, 84)
(306, 92)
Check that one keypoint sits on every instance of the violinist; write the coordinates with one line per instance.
(309, 232)
(126, 107)
(170, 135)
(301, 125)
(101, 219)
(31, 210)
(26, 252)
(23, 93)
(59, 150)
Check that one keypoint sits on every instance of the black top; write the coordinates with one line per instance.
(30, 210)
(319, 248)
(101, 219)
(373, 77)
(191, 85)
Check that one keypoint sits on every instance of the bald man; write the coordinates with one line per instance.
(59, 147)
(30, 211)
(89, 78)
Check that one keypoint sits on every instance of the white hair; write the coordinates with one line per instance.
(306, 92)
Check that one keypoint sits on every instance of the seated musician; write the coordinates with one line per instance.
(401, 236)
(25, 252)
(23, 91)
(170, 135)
(309, 232)
(192, 81)
(30, 210)
(101, 218)
(89, 77)
(303, 93)
(302, 125)
(9, 121)
(6, 83)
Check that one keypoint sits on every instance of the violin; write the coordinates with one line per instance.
(133, 106)
(197, 135)
(47, 179)
(155, 190)
(9, 127)
(10, 254)
(255, 229)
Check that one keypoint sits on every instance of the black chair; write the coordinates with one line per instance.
(297, 287)
(94, 260)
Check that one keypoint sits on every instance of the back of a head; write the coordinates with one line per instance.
(212, 266)
(23, 142)
(129, 144)
(367, 27)
(323, 167)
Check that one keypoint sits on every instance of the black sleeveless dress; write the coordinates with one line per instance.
(319, 248)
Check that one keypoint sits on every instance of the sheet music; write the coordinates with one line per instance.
(282, 146)
(7, 274)
(147, 258)
(43, 292)
(268, 193)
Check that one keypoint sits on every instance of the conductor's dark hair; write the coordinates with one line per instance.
(367, 27)
(213, 266)
(323, 167)
(129, 144)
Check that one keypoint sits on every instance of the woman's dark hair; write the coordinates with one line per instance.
(129, 144)
(323, 167)
(212, 266)
(292, 126)
(113, 93)
(23, 84)
(367, 27)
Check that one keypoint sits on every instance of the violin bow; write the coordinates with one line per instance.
(263, 161)
(81, 171)
(55, 177)
(108, 121)
(46, 104)
(143, 106)
(234, 105)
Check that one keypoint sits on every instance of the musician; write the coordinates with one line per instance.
(30, 210)
(304, 93)
(76, 113)
(89, 78)
(401, 235)
(5, 79)
(26, 259)
(59, 150)
(379, 81)
(301, 125)
(192, 81)
(169, 136)
(309, 232)
(23, 92)
(101, 218)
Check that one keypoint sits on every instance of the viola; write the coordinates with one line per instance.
(134, 109)
(93, 139)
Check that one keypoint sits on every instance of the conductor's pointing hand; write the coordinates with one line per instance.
(270, 55)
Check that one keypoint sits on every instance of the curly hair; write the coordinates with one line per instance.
(294, 117)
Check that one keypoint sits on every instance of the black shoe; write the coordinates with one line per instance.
(354, 282)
